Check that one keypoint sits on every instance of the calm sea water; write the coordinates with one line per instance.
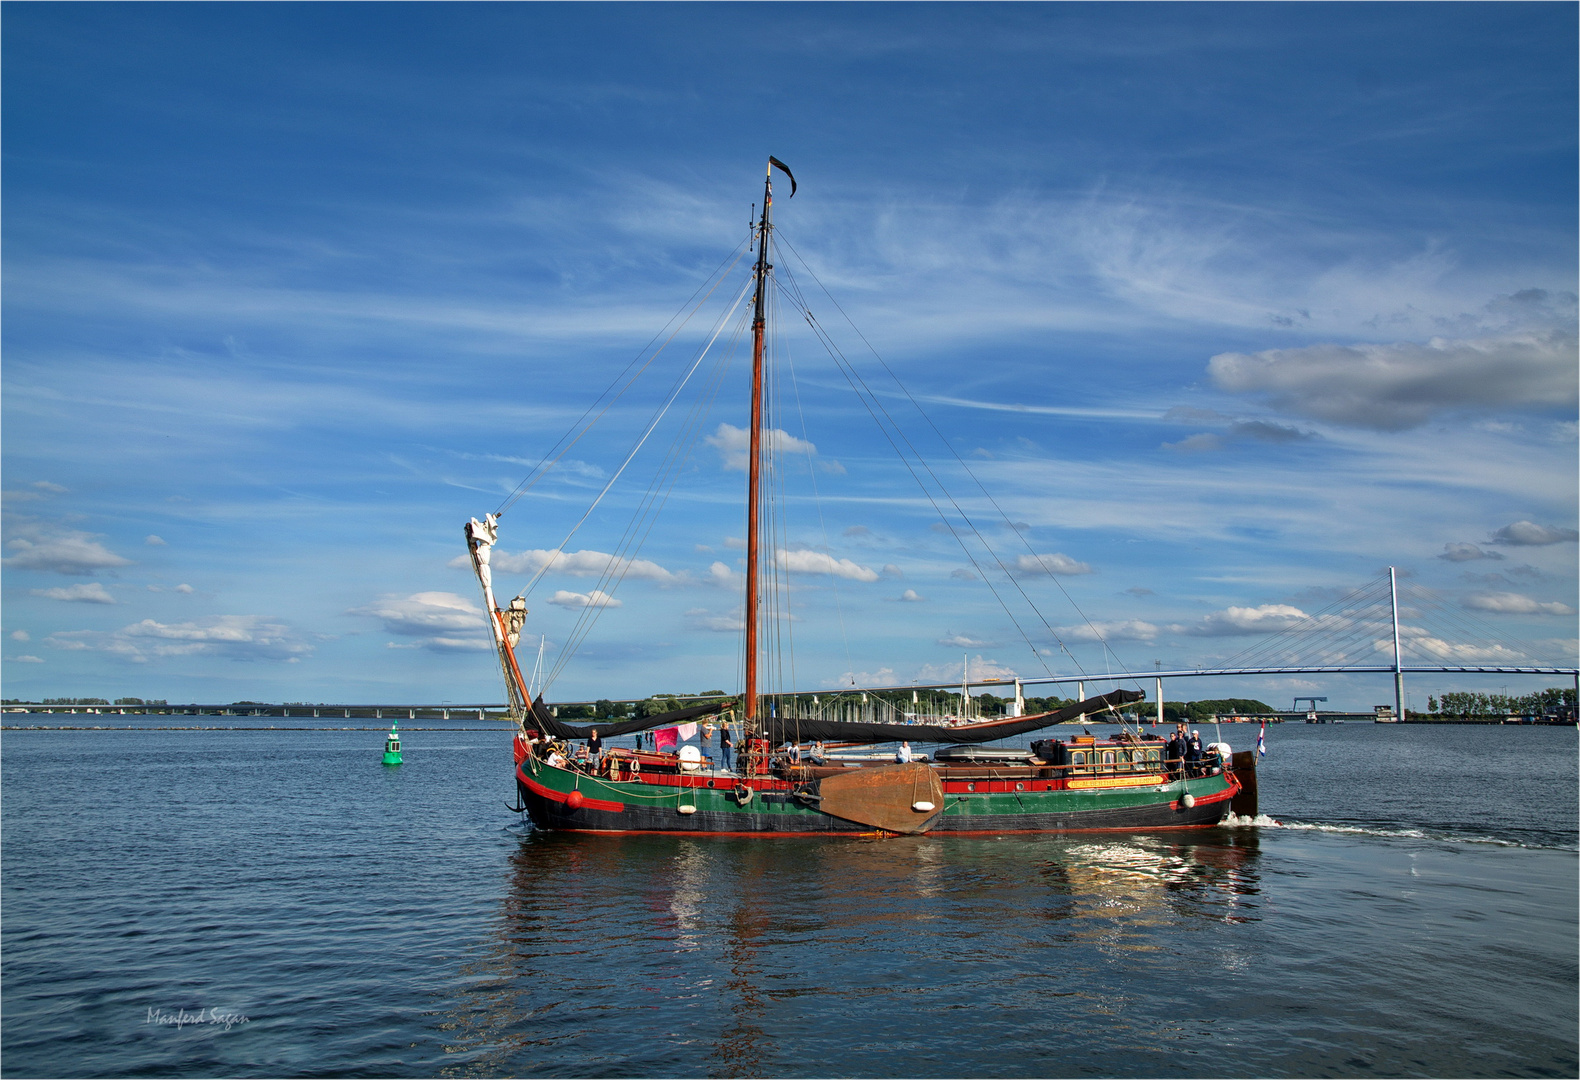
(1414, 913)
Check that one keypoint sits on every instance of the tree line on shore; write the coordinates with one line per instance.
(1460, 703)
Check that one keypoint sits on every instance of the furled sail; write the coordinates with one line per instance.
(547, 723)
(800, 729)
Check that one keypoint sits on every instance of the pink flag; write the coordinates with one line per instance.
(665, 738)
(687, 731)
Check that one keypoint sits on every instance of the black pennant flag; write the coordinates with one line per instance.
(782, 167)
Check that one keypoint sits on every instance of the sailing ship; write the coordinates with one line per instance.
(779, 787)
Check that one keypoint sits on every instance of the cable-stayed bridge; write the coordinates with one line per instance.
(1384, 627)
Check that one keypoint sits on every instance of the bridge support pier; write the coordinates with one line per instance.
(1160, 702)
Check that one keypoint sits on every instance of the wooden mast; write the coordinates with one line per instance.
(754, 456)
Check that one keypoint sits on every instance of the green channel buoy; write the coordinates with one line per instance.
(392, 746)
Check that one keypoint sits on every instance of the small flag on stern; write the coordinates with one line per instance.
(1261, 741)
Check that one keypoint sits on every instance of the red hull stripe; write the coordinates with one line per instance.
(560, 796)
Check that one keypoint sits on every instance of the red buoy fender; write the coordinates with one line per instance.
(574, 800)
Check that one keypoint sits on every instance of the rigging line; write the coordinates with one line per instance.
(1468, 624)
(1290, 633)
(923, 413)
(640, 442)
(938, 509)
(648, 509)
(839, 357)
(678, 453)
(783, 633)
(542, 468)
(852, 377)
(817, 501)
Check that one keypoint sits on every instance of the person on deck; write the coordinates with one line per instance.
(1173, 752)
(817, 755)
(726, 748)
(1193, 754)
(594, 745)
(904, 755)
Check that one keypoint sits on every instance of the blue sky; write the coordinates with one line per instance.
(1229, 307)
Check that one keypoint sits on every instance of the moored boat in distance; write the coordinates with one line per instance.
(784, 781)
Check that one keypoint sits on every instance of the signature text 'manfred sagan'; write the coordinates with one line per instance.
(181, 1018)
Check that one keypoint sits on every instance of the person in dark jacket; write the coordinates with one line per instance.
(1173, 752)
(1193, 754)
(726, 748)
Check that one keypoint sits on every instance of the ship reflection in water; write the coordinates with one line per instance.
(647, 955)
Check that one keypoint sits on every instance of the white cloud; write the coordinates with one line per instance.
(1238, 431)
(1201, 443)
(1527, 533)
(728, 623)
(63, 551)
(817, 562)
(911, 596)
(28, 659)
(53, 489)
(720, 574)
(236, 637)
(21, 635)
(735, 445)
(1511, 603)
(1415, 639)
(1265, 618)
(1053, 563)
(981, 668)
(183, 588)
(832, 467)
(1466, 553)
(882, 677)
(596, 598)
(90, 593)
(892, 571)
(154, 541)
(965, 641)
(443, 621)
(1403, 385)
(575, 563)
(1119, 630)
(962, 574)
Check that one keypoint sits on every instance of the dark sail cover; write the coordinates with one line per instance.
(792, 729)
(552, 727)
